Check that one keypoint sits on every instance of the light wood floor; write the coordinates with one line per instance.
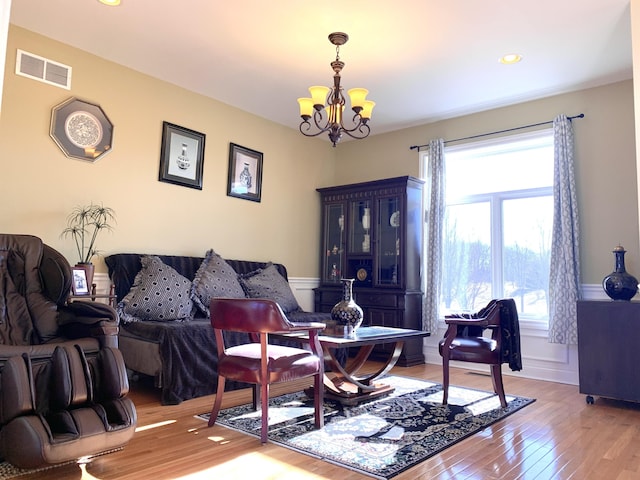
(559, 436)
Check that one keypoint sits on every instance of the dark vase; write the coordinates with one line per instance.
(619, 284)
(347, 312)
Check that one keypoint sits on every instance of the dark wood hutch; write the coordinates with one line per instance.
(372, 232)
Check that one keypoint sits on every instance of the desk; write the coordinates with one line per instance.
(344, 384)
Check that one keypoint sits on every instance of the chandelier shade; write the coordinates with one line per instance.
(324, 111)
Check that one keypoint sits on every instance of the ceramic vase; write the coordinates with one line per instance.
(619, 284)
(245, 177)
(347, 312)
(183, 160)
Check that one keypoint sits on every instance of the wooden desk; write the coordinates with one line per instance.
(345, 384)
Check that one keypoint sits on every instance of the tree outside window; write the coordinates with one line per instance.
(498, 220)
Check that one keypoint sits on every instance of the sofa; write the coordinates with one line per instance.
(175, 344)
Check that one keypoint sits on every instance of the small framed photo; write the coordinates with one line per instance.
(79, 284)
(181, 156)
(245, 173)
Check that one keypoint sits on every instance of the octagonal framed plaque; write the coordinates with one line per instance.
(81, 129)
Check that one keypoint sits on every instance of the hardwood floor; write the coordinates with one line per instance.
(557, 437)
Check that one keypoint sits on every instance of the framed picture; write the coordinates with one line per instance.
(79, 284)
(245, 173)
(181, 156)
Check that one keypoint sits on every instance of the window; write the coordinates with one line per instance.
(498, 221)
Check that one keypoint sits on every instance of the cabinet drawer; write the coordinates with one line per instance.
(376, 299)
(330, 297)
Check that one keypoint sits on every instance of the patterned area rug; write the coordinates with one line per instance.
(381, 438)
(9, 471)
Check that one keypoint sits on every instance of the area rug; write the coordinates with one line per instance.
(380, 438)
(8, 471)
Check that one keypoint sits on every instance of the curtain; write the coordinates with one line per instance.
(435, 199)
(564, 274)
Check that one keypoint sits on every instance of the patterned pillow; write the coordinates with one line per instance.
(214, 279)
(268, 283)
(158, 293)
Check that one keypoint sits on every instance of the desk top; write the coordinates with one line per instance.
(364, 336)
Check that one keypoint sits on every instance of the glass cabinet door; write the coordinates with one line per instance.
(360, 227)
(389, 241)
(333, 264)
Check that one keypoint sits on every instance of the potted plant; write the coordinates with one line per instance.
(84, 224)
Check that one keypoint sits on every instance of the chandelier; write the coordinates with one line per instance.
(329, 118)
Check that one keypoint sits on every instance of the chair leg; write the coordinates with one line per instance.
(498, 387)
(218, 401)
(264, 402)
(318, 400)
(255, 396)
(445, 380)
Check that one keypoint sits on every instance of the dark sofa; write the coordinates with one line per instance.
(181, 355)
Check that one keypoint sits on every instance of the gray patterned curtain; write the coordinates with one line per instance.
(433, 243)
(564, 274)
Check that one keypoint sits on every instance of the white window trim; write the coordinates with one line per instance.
(540, 326)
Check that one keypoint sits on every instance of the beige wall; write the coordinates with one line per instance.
(40, 185)
(634, 6)
(605, 163)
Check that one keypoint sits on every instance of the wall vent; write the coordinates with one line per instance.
(43, 69)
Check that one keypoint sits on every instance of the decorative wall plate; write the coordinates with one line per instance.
(394, 221)
(81, 129)
(362, 274)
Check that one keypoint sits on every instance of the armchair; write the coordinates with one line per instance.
(464, 341)
(63, 384)
(259, 362)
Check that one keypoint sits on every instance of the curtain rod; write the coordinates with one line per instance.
(413, 147)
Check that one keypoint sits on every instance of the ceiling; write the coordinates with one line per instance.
(422, 60)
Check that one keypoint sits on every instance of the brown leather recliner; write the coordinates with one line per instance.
(63, 383)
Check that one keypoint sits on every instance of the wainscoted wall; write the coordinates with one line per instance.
(541, 359)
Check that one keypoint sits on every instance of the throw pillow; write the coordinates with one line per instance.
(268, 283)
(158, 293)
(214, 279)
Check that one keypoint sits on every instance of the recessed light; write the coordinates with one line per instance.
(510, 58)
(111, 3)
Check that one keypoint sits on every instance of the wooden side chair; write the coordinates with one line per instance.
(259, 362)
(464, 342)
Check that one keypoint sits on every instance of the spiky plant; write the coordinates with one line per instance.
(84, 224)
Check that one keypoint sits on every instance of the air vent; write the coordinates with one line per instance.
(43, 70)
